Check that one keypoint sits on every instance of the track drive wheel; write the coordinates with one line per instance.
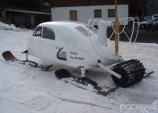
(131, 72)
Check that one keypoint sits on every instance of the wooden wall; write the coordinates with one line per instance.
(67, 3)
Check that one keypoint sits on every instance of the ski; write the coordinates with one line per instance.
(45, 68)
(84, 83)
(9, 57)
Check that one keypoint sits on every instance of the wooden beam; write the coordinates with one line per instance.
(116, 27)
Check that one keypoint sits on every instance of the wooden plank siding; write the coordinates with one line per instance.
(106, 2)
(69, 3)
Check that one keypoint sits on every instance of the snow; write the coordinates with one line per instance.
(10, 27)
(6, 26)
(29, 90)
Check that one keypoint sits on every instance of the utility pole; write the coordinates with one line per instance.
(116, 27)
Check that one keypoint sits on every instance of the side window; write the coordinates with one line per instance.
(97, 13)
(38, 32)
(111, 12)
(48, 33)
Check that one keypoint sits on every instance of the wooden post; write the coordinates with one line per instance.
(116, 27)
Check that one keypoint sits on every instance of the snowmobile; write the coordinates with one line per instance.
(83, 46)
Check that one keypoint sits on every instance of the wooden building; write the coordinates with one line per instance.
(68, 3)
(132, 4)
(24, 13)
(82, 10)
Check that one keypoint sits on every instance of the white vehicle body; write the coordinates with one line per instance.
(77, 44)
(71, 46)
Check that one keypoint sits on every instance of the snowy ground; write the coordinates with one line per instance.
(30, 90)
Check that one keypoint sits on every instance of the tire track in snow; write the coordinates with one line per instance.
(42, 99)
(95, 100)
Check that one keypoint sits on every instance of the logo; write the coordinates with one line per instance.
(61, 55)
(143, 108)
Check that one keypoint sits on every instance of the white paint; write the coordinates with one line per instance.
(34, 42)
(84, 13)
(102, 32)
(62, 48)
(109, 70)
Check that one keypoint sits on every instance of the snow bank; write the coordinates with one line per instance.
(10, 27)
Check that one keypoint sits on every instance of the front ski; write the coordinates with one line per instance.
(84, 83)
(9, 57)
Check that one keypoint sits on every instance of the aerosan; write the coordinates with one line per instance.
(82, 46)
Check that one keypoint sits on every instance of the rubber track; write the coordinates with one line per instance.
(132, 71)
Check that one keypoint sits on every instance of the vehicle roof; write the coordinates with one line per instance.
(67, 33)
(61, 23)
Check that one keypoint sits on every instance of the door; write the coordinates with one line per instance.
(34, 41)
(73, 15)
(47, 44)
